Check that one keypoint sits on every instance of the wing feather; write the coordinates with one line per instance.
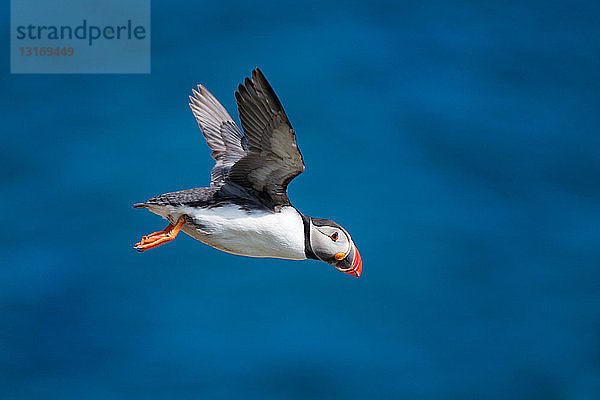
(273, 158)
(262, 159)
(222, 135)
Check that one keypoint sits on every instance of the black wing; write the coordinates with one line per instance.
(273, 158)
(222, 135)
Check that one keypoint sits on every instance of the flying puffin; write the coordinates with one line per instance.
(246, 210)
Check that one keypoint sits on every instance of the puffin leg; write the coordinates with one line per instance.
(157, 238)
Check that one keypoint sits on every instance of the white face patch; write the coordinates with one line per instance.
(327, 241)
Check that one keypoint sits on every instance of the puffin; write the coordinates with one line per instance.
(246, 210)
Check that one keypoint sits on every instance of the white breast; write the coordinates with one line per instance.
(256, 233)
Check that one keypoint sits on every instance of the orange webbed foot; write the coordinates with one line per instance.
(157, 238)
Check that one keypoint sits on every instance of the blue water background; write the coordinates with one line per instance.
(458, 142)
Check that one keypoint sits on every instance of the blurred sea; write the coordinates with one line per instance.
(458, 142)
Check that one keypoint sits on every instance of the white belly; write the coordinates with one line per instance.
(254, 234)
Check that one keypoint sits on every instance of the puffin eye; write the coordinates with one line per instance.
(334, 237)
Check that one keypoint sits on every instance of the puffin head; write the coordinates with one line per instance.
(329, 242)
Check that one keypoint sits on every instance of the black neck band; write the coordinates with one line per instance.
(307, 247)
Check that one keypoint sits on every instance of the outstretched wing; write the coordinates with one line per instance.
(222, 135)
(273, 158)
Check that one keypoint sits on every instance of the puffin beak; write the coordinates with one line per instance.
(352, 263)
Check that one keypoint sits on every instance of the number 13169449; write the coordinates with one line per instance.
(46, 51)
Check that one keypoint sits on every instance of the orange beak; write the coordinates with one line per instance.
(352, 263)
